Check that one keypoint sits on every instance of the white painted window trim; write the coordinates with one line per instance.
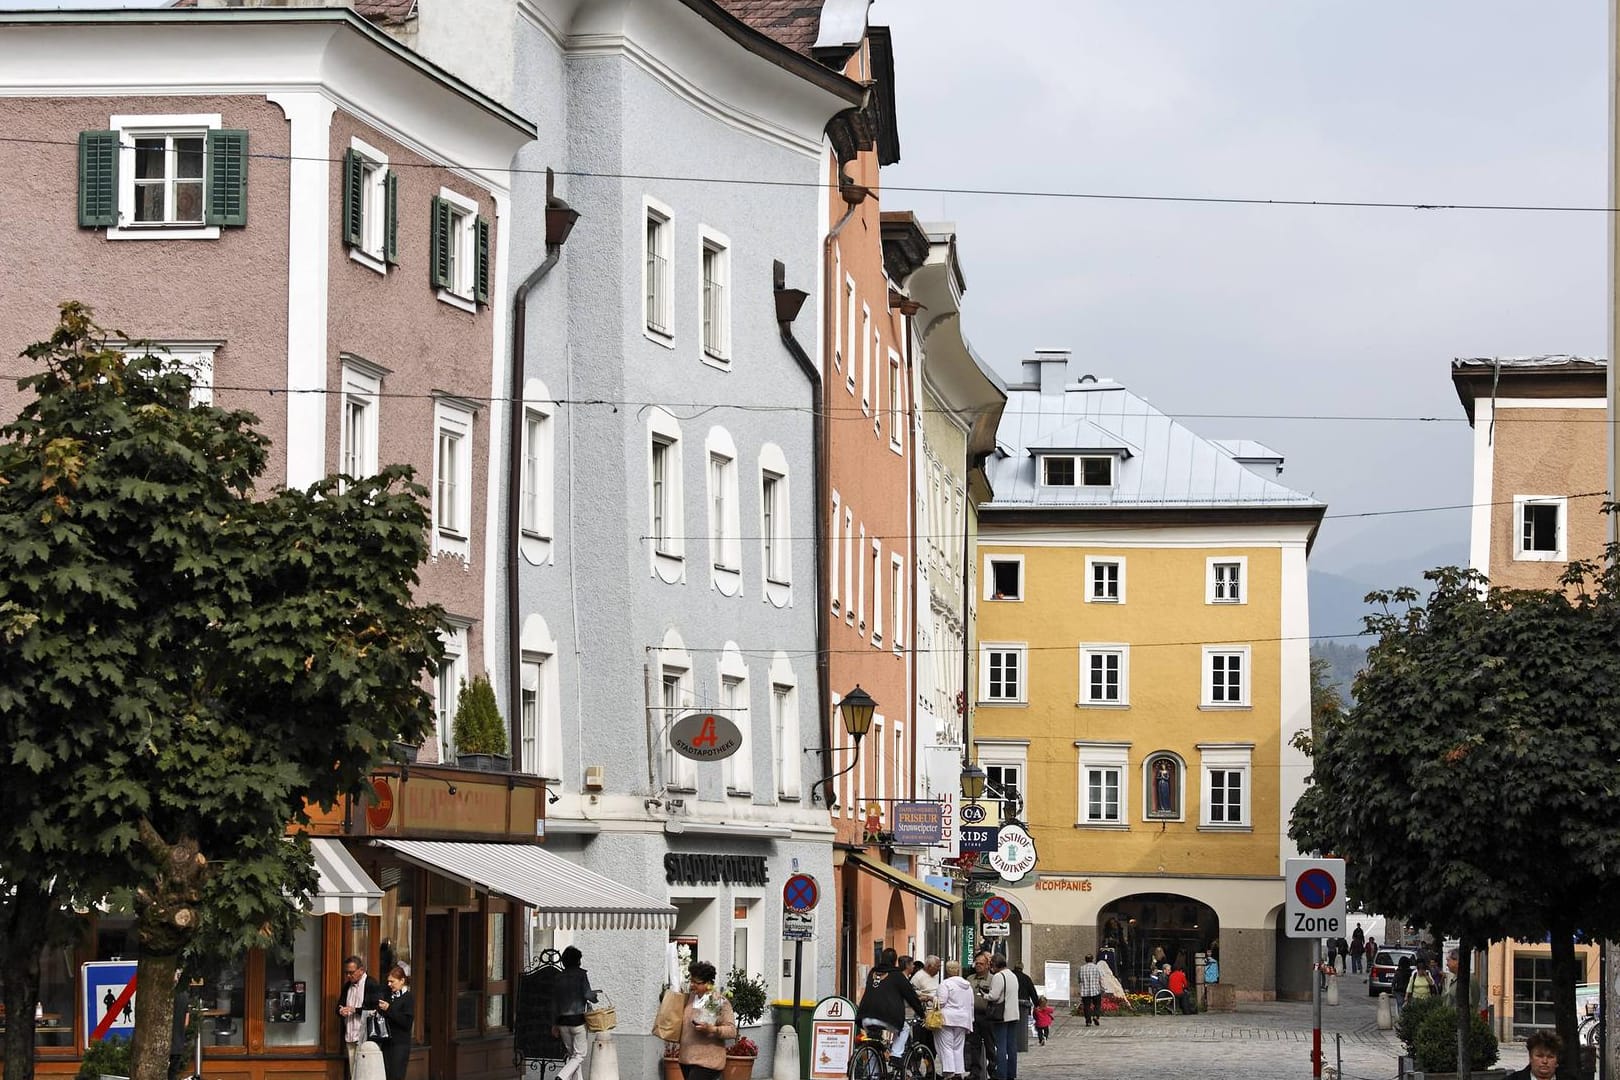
(652, 209)
(736, 770)
(1080, 470)
(1042, 461)
(849, 300)
(867, 339)
(1006, 754)
(785, 730)
(776, 574)
(877, 595)
(680, 774)
(464, 235)
(374, 209)
(669, 562)
(1245, 681)
(990, 579)
(362, 384)
(1111, 757)
(897, 602)
(537, 510)
(447, 684)
(1226, 757)
(1242, 563)
(1119, 649)
(1020, 649)
(837, 303)
(539, 655)
(452, 532)
(1520, 504)
(897, 401)
(128, 125)
(834, 542)
(195, 358)
(1091, 594)
(719, 356)
(724, 536)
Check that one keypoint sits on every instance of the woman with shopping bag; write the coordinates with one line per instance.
(705, 1021)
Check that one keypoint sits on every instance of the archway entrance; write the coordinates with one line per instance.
(1136, 930)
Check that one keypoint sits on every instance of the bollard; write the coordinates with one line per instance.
(1385, 1022)
(785, 1066)
(604, 1057)
(1333, 990)
(369, 1063)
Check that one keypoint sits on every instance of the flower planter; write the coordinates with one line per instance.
(738, 1068)
(484, 762)
(672, 1069)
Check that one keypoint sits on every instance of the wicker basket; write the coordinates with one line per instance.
(604, 1017)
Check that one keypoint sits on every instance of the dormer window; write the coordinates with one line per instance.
(1088, 470)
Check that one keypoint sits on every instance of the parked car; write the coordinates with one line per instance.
(1383, 969)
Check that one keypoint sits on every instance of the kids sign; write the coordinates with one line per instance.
(705, 736)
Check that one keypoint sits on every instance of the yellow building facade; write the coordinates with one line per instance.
(1143, 663)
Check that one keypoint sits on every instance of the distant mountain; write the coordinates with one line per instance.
(1337, 604)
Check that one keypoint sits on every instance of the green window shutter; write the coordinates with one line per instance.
(391, 218)
(439, 242)
(227, 177)
(98, 178)
(481, 278)
(354, 200)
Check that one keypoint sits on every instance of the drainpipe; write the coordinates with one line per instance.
(560, 218)
(908, 310)
(853, 195)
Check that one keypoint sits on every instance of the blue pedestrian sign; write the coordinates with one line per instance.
(109, 1000)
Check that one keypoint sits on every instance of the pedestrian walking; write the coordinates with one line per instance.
(981, 1047)
(571, 993)
(1398, 984)
(706, 1025)
(1027, 996)
(1089, 980)
(1004, 1013)
(1043, 1020)
(1358, 942)
(955, 1000)
(397, 1011)
(360, 993)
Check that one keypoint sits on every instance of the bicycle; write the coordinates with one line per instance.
(870, 1061)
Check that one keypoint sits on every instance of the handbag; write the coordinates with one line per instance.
(602, 1016)
(671, 1014)
(933, 1019)
(376, 1027)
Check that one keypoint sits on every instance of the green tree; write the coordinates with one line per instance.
(186, 665)
(1472, 785)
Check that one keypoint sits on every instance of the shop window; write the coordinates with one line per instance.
(221, 1000)
(292, 991)
(467, 972)
(496, 973)
(398, 905)
(54, 1025)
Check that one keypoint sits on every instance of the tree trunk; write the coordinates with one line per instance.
(1465, 1011)
(23, 922)
(1564, 977)
(166, 916)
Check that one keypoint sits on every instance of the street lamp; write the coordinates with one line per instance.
(855, 709)
(972, 782)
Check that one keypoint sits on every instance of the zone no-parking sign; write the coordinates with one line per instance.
(1315, 899)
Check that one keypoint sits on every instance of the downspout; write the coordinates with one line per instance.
(853, 195)
(560, 218)
(964, 695)
(908, 310)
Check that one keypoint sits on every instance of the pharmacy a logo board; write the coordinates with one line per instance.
(109, 1000)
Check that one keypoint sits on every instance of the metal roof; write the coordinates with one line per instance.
(1158, 462)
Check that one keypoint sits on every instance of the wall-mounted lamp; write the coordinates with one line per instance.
(855, 709)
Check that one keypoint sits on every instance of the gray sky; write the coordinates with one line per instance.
(1273, 310)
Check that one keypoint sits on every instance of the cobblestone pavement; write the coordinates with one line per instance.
(1260, 1041)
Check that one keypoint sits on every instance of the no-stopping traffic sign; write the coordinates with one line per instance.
(1315, 898)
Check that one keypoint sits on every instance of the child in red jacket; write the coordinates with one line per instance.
(1043, 1020)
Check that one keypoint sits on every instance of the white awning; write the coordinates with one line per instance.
(564, 895)
(344, 889)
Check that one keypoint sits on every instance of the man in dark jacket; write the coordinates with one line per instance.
(883, 1002)
(357, 998)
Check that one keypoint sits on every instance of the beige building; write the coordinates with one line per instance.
(1540, 472)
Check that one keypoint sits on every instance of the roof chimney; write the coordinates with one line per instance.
(1047, 369)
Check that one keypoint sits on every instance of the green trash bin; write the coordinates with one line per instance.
(782, 1014)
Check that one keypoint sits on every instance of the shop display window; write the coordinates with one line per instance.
(292, 991)
(53, 1019)
(398, 906)
(219, 1004)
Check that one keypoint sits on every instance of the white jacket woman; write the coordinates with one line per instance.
(955, 1000)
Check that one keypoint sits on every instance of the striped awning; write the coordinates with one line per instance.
(344, 889)
(563, 894)
(902, 880)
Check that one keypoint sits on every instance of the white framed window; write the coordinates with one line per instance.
(837, 310)
(897, 405)
(867, 339)
(1105, 674)
(170, 177)
(359, 409)
(370, 207)
(1540, 528)
(1006, 767)
(540, 706)
(714, 301)
(849, 324)
(1226, 797)
(1226, 676)
(452, 475)
(849, 565)
(877, 595)
(1164, 787)
(1003, 577)
(1226, 579)
(1057, 470)
(834, 540)
(737, 769)
(879, 757)
(458, 258)
(1104, 784)
(725, 544)
(1077, 470)
(785, 728)
(447, 686)
(657, 276)
(1105, 580)
(675, 699)
(897, 601)
(537, 451)
(1002, 679)
(666, 513)
(776, 527)
(193, 358)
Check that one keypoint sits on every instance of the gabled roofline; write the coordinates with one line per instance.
(273, 17)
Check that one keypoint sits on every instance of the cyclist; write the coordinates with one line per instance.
(883, 1003)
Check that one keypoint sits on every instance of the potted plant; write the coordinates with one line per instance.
(672, 1063)
(740, 1057)
(480, 733)
(106, 1058)
(749, 999)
